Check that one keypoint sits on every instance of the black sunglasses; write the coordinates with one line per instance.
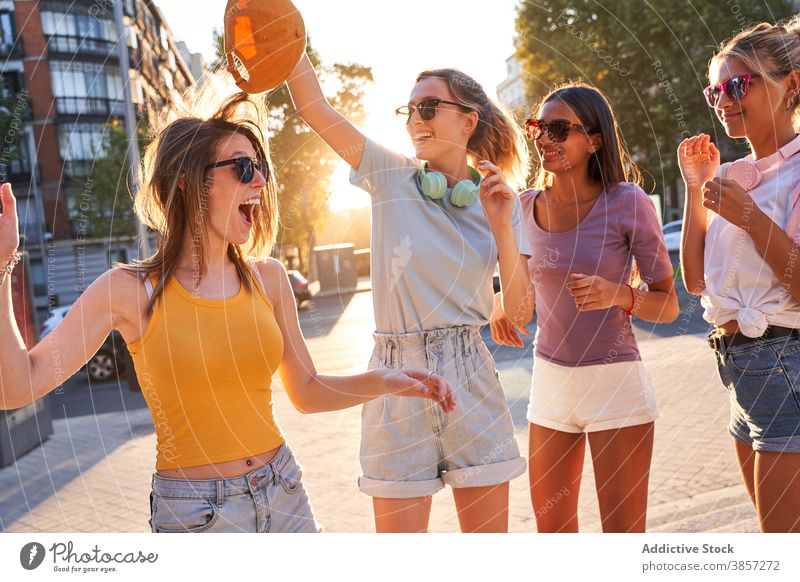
(245, 168)
(427, 108)
(557, 130)
(735, 87)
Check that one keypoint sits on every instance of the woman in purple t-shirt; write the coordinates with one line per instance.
(586, 222)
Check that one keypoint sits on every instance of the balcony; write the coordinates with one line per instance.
(77, 45)
(14, 50)
(89, 106)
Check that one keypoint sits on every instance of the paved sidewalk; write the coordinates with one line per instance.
(93, 474)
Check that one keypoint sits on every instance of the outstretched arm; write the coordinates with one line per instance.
(334, 129)
(310, 391)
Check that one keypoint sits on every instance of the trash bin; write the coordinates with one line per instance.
(24, 429)
(336, 268)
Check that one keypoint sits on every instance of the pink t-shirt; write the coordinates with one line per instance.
(621, 225)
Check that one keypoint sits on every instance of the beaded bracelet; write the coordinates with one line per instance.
(9, 268)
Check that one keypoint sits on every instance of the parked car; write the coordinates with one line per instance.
(299, 286)
(110, 361)
(672, 235)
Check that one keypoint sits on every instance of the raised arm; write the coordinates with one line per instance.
(334, 129)
(310, 391)
(699, 160)
(26, 376)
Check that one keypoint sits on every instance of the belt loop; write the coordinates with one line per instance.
(390, 349)
(220, 492)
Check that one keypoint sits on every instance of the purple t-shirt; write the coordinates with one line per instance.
(621, 225)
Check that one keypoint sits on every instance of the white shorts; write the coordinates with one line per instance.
(591, 398)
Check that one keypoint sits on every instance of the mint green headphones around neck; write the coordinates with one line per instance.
(434, 186)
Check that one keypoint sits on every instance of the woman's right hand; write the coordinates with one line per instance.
(698, 159)
(503, 331)
(9, 225)
(420, 383)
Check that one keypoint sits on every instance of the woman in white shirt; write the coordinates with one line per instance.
(739, 251)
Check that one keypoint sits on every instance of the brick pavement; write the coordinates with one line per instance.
(93, 475)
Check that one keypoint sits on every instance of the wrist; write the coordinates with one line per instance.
(381, 386)
(626, 298)
(8, 263)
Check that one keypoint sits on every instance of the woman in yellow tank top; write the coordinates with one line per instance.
(207, 326)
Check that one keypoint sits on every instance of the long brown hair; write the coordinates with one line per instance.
(173, 197)
(612, 163)
(497, 137)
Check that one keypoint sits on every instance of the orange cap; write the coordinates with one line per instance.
(264, 41)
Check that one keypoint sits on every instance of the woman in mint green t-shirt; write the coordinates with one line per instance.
(433, 256)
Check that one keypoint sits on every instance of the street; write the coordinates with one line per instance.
(93, 474)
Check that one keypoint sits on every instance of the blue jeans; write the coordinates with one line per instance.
(269, 499)
(763, 381)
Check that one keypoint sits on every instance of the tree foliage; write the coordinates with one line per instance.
(649, 58)
(304, 163)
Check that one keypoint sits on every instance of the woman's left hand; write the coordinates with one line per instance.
(497, 197)
(592, 292)
(732, 202)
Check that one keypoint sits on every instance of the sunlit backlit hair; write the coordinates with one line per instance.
(771, 50)
(497, 137)
(173, 197)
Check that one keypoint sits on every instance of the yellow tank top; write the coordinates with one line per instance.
(205, 367)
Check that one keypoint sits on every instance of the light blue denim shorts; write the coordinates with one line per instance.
(270, 499)
(763, 381)
(410, 447)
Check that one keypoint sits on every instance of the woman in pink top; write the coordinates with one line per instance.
(739, 251)
(586, 223)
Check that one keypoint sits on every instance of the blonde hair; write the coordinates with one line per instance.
(767, 49)
(497, 137)
(175, 185)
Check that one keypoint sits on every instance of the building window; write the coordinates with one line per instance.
(8, 32)
(80, 79)
(81, 141)
(78, 25)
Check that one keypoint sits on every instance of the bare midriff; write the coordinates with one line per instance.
(226, 470)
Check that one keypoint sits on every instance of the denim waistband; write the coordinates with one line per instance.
(428, 338)
(226, 487)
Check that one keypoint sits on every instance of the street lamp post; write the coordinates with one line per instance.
(130, 122)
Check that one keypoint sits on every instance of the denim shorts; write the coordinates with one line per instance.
(763, 381)
(270, 499)
(410, 447)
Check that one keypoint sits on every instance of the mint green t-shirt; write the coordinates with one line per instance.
(432, 262)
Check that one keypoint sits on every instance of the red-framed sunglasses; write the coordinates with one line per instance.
(735, 87)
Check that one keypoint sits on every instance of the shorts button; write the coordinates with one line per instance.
(254, 481)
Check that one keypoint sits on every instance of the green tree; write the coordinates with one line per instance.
(304, 163)
(103, 207)
(649, 58)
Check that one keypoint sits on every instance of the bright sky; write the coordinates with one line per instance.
(396, 39)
